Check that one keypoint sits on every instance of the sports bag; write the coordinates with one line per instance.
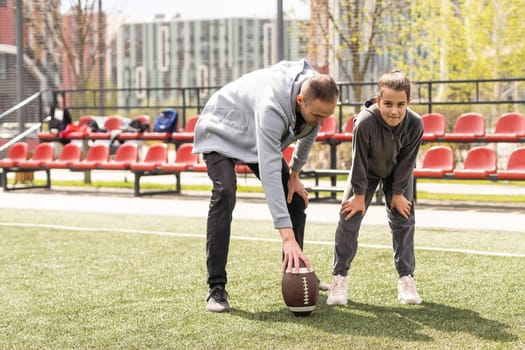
(166, 121)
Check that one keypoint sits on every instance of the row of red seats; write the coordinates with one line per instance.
(155, 161)
(97, 157)
(114, 123)
(469, 127)
(438, 161)
(113, 128)
(480, 163)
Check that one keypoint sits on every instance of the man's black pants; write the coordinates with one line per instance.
(221, 171)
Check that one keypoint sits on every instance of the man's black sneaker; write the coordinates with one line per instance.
(217, 300)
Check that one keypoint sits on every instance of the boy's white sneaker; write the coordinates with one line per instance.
(407, 292)
(338, 292)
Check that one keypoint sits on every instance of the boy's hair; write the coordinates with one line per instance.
(394, 80)
(322, 87)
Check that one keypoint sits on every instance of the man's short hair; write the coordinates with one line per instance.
(322, 87)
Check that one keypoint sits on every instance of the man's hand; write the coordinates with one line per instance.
(292, 253)
(296, 186)
(353, 205)
(401, 204)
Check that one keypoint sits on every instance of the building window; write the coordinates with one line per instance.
(269, 45)
(3, 67)
(3, 3)
(164, 49)
(140, 82)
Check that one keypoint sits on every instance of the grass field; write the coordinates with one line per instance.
(86, 281)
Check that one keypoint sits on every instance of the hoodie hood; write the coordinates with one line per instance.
(372, 107)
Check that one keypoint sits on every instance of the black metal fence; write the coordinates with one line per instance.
(450, 97)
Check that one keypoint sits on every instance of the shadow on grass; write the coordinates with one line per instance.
(402, 322)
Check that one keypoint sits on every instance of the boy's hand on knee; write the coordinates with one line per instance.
(353, 205)
(402, 205)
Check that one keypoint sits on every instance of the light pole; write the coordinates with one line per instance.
(20, 63)
(280, 31)
(101, 57)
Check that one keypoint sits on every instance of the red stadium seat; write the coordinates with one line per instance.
(510, 127)
(124, 156)
(112, 123)
(24, 168)
(242, 169)
(44, 152)
(288, 153)
(327, 130)
(347, 133)
(70, 153)
(515, 169)
(479, 163)
(82, 125)
(437, 161)
(183, 159)
(188, 132)
(96, 154)
(470, 127)
(156, 155)
(199, 167)
(17, 152)
(434, 126)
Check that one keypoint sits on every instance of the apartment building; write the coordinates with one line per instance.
(179, 52)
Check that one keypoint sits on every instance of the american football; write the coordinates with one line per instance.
(300, 291)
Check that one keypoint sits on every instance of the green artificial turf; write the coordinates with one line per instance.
(76, 280)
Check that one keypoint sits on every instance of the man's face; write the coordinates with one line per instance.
(393, 106)
(316, 111)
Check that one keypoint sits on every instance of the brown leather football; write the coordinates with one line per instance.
(300, 291)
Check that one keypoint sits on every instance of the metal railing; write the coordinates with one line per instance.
(23, 134)
(427, 96)
(24, 103)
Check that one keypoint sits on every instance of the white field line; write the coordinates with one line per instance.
(259, 239)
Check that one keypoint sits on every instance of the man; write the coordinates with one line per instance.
(253, 119)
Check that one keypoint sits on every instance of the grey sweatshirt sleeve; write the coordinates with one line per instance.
(304, 146)
(270, 128)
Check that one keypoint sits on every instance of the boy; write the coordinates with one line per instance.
(386, 140)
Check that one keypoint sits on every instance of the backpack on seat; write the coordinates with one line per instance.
(166, 121)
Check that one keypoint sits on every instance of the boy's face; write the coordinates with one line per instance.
(393, 106)
(315, 112)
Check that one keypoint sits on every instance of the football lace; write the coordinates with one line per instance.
(306, 297)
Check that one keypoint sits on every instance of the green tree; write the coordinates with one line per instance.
(69, 39)
(356, 31)
(464, 39)
(428, 40)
